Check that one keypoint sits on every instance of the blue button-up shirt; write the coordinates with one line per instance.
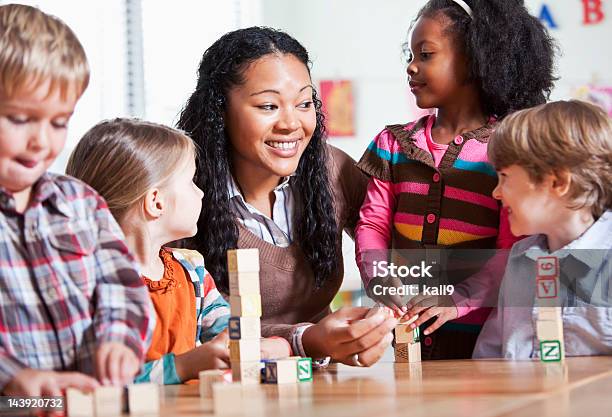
(584, 297)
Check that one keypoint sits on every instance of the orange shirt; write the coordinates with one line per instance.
(174, 301)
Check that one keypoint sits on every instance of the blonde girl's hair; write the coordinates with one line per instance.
(572, 136)
(36, 47)
(124, 158)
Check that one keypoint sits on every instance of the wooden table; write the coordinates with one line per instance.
(472, 388)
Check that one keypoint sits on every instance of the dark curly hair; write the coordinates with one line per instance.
(511, 54)
(221, 68)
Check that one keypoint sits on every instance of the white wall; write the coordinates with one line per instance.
(175, 37)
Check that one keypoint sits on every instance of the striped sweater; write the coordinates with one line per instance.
(211, 315)
(449, 205)
(417, 200)
(424, 195)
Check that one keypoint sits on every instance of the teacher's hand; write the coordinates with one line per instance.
(348, 336)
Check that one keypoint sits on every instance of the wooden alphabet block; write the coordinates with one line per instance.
(244, 283)
(247, 373)
(547, 266)
(404, 334)
(304, 369)
(143, 399)
(243, 260)
(79, 403)
(549, 313)
(208, 378)
(245, 350)
(244, 328)
(407, 352)
(553, 302)
(551, 351)
(108, 401)
(547, 287)
(245, 305)
(549, 329)
(282, 371)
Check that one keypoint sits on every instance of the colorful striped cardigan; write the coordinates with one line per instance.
(413, 204)
(448, 206)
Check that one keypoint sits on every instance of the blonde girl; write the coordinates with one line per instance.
(145, 172)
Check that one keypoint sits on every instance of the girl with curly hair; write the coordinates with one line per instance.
(270, 182)
(474, 62)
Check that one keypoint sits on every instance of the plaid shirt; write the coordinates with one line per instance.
(67, 281)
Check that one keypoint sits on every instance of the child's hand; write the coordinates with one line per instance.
(427, 307)
(275, 348)
(32, 382)
(116, 364)
(213, 354)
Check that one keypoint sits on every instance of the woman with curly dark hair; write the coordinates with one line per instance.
(474, 61)
(270, 182)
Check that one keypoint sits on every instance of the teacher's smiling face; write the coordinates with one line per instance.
(271, 117)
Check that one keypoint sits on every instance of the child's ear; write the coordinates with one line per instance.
(154, 204)
(561, 182)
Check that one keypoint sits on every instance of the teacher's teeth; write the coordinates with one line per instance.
(282, 145)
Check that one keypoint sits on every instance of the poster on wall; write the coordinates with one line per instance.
(596, 94)
(338, 106)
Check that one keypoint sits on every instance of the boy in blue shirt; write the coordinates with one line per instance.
(554, 163)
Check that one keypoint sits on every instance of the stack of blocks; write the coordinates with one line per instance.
(407, 342)
(245, 348)
(549, 323)
(139, 399)
(245, 323)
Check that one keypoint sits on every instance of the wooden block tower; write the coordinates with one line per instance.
(245, 323)
(549, 323)
(407, 342)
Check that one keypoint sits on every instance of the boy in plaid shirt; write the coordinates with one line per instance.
(72, 304)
